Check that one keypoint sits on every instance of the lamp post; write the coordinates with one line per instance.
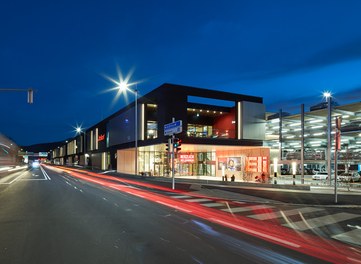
(328, 97)
(123, 86)
(80, 131)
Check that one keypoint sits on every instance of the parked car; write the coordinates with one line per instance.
(320, 176)
(349, 177)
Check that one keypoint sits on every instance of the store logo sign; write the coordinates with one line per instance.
(186, 158)
(101, 137)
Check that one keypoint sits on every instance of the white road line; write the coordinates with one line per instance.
(198, 200)
(259, 234)
(174, 207)
(181, 196)
(350, 237)
(213, 204)
(273, 215)
(21, 175)
(321, 221)
(246, 208)
(45, 174)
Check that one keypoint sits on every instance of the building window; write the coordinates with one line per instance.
(151, 114)
(152, 129)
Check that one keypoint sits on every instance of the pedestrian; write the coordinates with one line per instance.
(263, 177)
(233, 178)
(226, 177)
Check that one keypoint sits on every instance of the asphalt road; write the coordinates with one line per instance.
(51, 217)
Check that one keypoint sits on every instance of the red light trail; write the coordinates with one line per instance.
(328, 250)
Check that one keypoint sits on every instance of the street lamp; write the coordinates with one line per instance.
(328, 97)
(123, 87)
(80, 131)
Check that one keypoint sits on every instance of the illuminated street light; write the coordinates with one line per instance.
(328, 96)
(122, 86)
(79, 130)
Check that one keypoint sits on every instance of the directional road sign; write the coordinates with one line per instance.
(173, 128)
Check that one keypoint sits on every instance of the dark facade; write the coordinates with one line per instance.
(215, 127)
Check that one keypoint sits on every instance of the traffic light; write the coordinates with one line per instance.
(176, 144)
(169, 147)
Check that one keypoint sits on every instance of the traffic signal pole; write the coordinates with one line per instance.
(173, 170)
(29, 91)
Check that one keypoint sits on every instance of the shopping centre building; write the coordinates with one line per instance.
(222, 133)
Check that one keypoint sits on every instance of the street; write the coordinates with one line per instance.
(48, 215)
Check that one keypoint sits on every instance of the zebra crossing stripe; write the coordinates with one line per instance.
(321, 221)
(273, 215)
(181, 196)
(246, 208)
(213, 204)
(350, 237)
(198, 200)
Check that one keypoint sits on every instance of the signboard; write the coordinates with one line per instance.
(186, 158)
(173, 128)
(43, 154)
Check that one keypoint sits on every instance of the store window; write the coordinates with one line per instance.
(151, 114)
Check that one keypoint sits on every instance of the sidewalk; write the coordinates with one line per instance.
(298, 194)
(269, 193)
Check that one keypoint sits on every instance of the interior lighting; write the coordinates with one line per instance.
(318, 134)
(290, 137)
(295, 124)
(297, 129)
(315, 142)
(314, 127)
(315, 121)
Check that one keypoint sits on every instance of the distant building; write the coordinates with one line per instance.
(8, 151)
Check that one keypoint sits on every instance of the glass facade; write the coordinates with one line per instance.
(157, 163)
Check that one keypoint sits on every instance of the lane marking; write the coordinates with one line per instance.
(259, 234)
(352, 236)
(278, 214)
(181, 196)
(174, 206)
(45, 174)
(198, 200)
(322, 221)
(21, 175)
(247, 208)
(213, 204)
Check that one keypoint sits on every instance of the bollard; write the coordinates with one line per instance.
(275, 178)
(294, 179)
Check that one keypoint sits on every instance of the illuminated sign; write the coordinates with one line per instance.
(101, 137)
(257, 164)
(186, 158)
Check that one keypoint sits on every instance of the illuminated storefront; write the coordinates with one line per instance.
(217, 127)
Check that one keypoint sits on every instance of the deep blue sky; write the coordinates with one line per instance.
(287, 52)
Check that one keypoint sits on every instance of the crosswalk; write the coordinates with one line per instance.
(302, 218)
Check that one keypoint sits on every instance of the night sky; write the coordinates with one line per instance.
(287, 52)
